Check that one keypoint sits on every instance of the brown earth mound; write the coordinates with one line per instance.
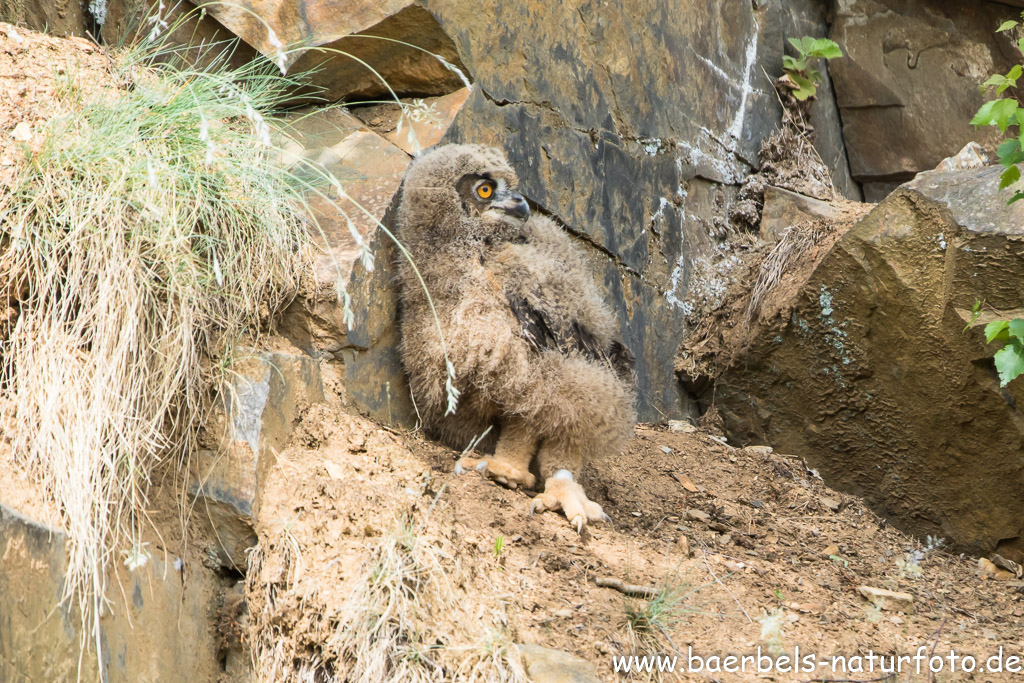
(752, 548)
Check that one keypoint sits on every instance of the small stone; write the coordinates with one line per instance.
(989, 570)
(22, 132)
(887, 599)
(971, 156)
(564, 613)
(545, 665)
(637, 514)
(681, 427)
(698, 515)
(666, 450)
(683, 545)
(831, 503)
(685, 481)
(806, 608)
(831, 550)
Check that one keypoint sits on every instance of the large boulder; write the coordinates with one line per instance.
(364, 50)
(875, 371)
(907, 84)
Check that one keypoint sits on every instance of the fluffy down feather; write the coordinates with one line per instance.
(533, 345)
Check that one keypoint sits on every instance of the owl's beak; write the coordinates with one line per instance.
(514, 205)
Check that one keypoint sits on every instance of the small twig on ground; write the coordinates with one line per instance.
(719, 582)
(630, 589)
(935, 642)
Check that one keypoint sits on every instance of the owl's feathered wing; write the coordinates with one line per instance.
(545, 328)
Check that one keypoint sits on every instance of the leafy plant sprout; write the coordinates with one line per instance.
(1006, 113)
(803, 76)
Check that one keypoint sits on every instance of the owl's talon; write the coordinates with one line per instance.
(605, 518)
(562, 493)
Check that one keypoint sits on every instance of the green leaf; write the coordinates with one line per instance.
(807, 45)
(997, 329)
(1017, 328)
(1020, 44)
(1015, 73)
(1006, 26)
(994, 80)
(1009, 177)
(996, 112)
(1010, 361)
(1010, 152)
(1008, 147)
(826, 49)
(796, 43)
(984, 115)
(975, 313)
(1016, 197)
(788, 63)
(806, 88)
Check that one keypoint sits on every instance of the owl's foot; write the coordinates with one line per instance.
(501, 471)
(562, 493)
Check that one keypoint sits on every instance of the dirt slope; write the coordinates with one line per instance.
(774, 557)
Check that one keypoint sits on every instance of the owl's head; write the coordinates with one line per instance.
(459, 193)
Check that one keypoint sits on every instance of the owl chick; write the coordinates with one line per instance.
(532, 344)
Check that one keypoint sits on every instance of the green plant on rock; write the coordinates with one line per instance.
(805, 78)
(1010, 359)
(1006, 113)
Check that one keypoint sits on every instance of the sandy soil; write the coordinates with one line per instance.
(756, 549)
(39, 76)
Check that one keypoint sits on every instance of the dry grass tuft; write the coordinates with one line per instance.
(153, 228)
(795, 241)
(650, 622)
(399, 622)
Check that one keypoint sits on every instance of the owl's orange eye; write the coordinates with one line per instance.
(485, 189)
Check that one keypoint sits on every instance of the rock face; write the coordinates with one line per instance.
(907, 85)
(870, 375)
(633, 140)
(149, 630)
(347, 47)
(177, 23)
(269, 393)
(369, 166)
(56, 17)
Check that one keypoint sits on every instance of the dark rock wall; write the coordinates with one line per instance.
(632, 123)
(907, 85)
